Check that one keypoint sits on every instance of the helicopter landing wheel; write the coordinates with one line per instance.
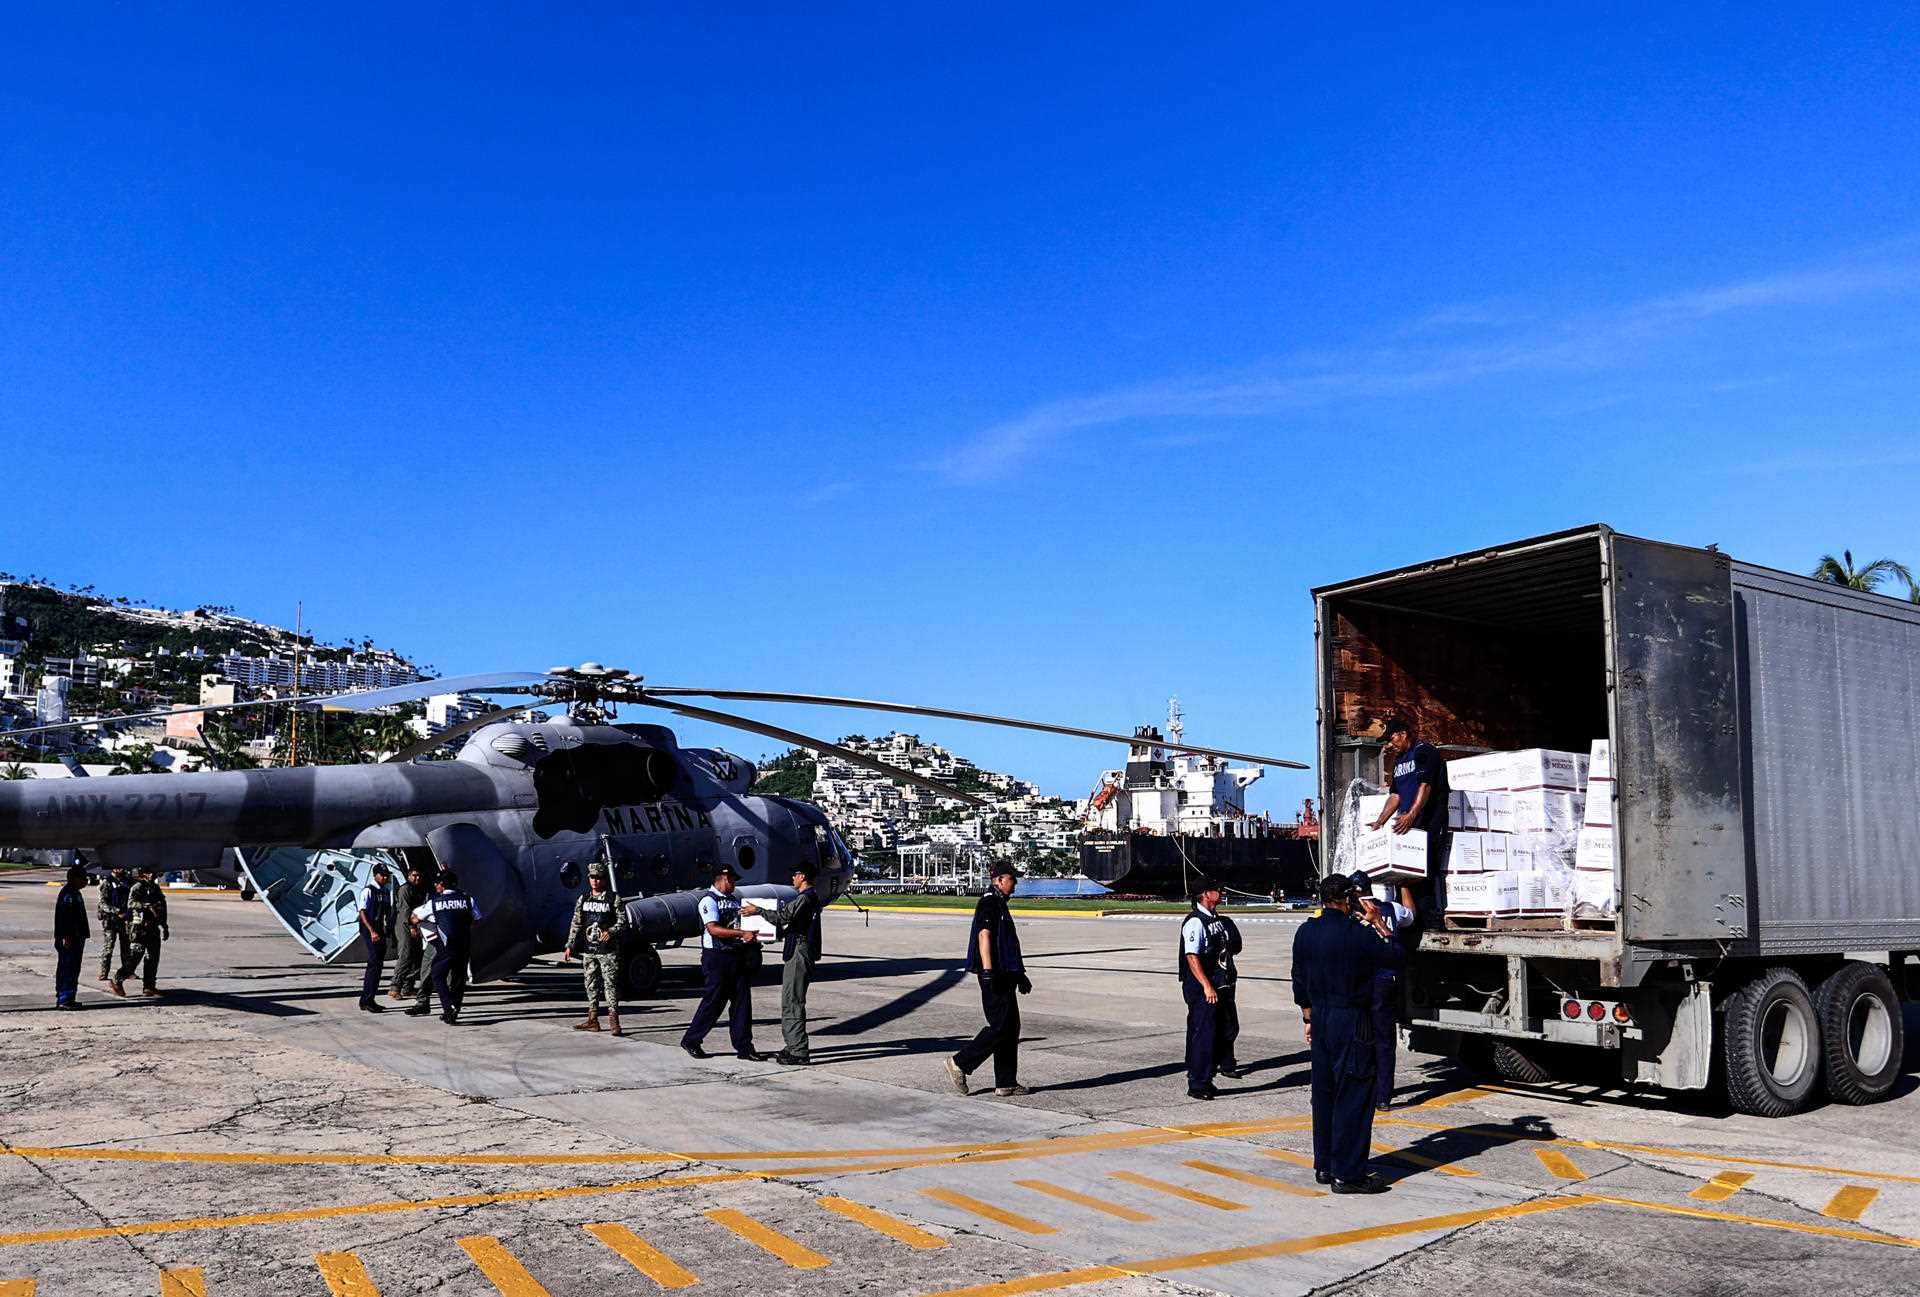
(640, 973)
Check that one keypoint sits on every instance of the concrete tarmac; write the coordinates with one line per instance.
(252, 1132)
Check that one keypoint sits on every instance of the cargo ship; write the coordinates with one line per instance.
(1171, 817)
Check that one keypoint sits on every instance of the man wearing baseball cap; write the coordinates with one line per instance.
(1334, 959)
(725, 948)
(993, 956)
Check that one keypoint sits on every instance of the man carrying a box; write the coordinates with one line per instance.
(1417, 799)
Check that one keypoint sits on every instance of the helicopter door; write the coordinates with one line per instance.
(316, 894)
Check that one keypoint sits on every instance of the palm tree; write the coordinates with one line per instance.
(136, 759)
(1841, 571)
(14, 770)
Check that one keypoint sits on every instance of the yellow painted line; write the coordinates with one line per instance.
(501, 1267)
(1249, 1177)
(1260, 1251)
(1722, 1186)
(1559, 1164)
(878, 1221)
(1178, 1191)
(1507, 1135)
(1048, 1146)
(187, 1281)
(1288, 1155)
(345, 1275)
(1420, 1160)
(1078, 1199)
(1793, 1226)
(367, 1209)
(1850, 1202)
(1458, 1096)
(17, 1287)
(792, 1251)
(987, 1209)
(644, 1256)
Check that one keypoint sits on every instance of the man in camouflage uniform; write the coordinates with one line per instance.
(594, 939)
(146, 929)
(113, 917)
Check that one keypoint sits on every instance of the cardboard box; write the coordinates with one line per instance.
(1545, 768)
(1478, 774)
(1544, 892)
(1484, 895)
(1598, 808)
(1594, 890)
(1371, 805)
(1519, 852)
(1546, 810)
(1473, 812)
(1493, 852)
(1466, 853)
(1456, 811)
(1499, 813)
(1385, 854)
(1595, 851)
(1600, 760)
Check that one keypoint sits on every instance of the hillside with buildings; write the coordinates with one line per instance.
(74, 654)
(900, 826)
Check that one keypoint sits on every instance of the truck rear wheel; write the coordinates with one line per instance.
(1770, 1039)
(1862, 1031)
(1514, 1063)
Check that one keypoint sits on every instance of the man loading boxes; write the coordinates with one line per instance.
(1417, 799)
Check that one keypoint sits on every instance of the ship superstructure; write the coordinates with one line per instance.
(1170, 817)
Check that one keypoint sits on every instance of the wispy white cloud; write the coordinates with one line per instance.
(1817, 462)
(1304, 381)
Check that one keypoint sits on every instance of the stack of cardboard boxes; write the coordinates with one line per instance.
(1595, 889)
(1531, 836)
(1516, 820)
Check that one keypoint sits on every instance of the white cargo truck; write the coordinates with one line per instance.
(1765, 738)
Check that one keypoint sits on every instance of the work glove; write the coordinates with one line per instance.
(166, 934)
(1026, 987)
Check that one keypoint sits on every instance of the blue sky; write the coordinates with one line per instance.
(1031, 362)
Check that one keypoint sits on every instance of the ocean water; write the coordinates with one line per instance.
(1060, 887)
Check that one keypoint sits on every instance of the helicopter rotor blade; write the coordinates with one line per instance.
(825, 700)
(489, 682)
(353, 700)
(176, 710)
(798, 739)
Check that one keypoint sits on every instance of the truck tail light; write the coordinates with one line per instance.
(1596, 1011)
(1620, 1015)
(1571, 1009)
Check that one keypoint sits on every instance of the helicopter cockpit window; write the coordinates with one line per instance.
(745, 853)
(570, 875)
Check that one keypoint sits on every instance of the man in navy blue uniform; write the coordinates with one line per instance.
(1208, 942)
(993, 956)
(727, 961)
(449, 915)
(376, 917)
(70, 933)
(1334, 959)
(1417, 799)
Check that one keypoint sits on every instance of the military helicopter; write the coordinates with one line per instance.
(519, 815)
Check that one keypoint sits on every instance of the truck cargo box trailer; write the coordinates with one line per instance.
(1765, 732)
